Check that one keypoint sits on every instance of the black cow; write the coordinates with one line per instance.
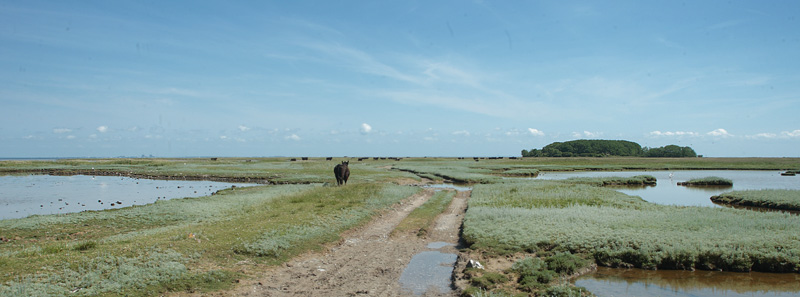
(342, 173)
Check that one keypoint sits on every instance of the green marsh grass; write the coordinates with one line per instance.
(774, 199)
(623, 231)
(707, 181)
(181, 244)
(421, 218)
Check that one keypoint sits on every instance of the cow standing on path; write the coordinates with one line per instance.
(342, 173)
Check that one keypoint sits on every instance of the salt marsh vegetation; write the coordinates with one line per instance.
(618, 230)
(182, 244)
(198, 244)
(772, 199)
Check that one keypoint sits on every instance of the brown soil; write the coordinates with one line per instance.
(367, 262)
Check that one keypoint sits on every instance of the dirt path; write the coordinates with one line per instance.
(368, 262)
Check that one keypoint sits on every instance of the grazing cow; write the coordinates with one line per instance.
(342, 173)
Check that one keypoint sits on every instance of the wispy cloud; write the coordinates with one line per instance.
(535, 132)
(719, 133)
(293, 137)
(673, 133)
(102, 129)
(61, 130)
(586, 134)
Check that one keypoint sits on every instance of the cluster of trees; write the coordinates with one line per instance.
(602, 148)
(669, 151)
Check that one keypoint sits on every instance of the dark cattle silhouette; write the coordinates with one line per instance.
(342, 173)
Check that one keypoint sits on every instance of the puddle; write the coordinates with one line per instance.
(430, 271)
(439, 244)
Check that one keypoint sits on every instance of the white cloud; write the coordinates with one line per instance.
(71, 137)
(365, 128)
(102, 129)
(61, 130)
(673, 133)
(535, 132)
(223, 137)
(792, 134)
(720, 133)
(462, 132)
(243, 128)
(293, 137)
(586, 134)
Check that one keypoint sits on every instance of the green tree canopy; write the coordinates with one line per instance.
(601, 148)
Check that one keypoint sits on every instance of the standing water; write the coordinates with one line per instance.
(21, 196)
(429, 271)
(637, 282)
(668, 192)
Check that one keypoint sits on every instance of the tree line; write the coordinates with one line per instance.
(603, 148)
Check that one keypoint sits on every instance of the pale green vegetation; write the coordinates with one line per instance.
(775, 199)
(197, 245)
(182, 244)
(623, 231)
(539, 276)
(421, 218)
(707, 181)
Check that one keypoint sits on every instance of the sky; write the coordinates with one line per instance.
(395, 78)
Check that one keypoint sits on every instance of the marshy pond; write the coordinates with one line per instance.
(637, 282)
(668, 192)
(25, 195)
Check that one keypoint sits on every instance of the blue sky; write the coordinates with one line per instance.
(395, 78)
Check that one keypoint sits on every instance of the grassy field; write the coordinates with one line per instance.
(198, 244)
(622, 231)
(182, 244)
(774, 199)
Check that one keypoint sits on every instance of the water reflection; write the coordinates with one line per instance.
(668, 192)
(21, 196)
(429, 271)
(637, 282)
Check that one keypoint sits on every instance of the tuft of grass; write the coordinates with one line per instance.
(707, 181)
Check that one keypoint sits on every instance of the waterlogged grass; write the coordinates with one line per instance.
(456, 171)
(421, 218)
(181, 244)
(538, 194)
(623, 231)
(707, 181)
(774, 199)
(639, 180)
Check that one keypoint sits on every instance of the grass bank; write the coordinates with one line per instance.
(773, 199)
(618, 230)
(707, 181)
(196, 244)
(420, 220)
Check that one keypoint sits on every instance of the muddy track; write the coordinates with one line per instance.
(367, 262)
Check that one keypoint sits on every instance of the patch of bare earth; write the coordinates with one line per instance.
(367, 262)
